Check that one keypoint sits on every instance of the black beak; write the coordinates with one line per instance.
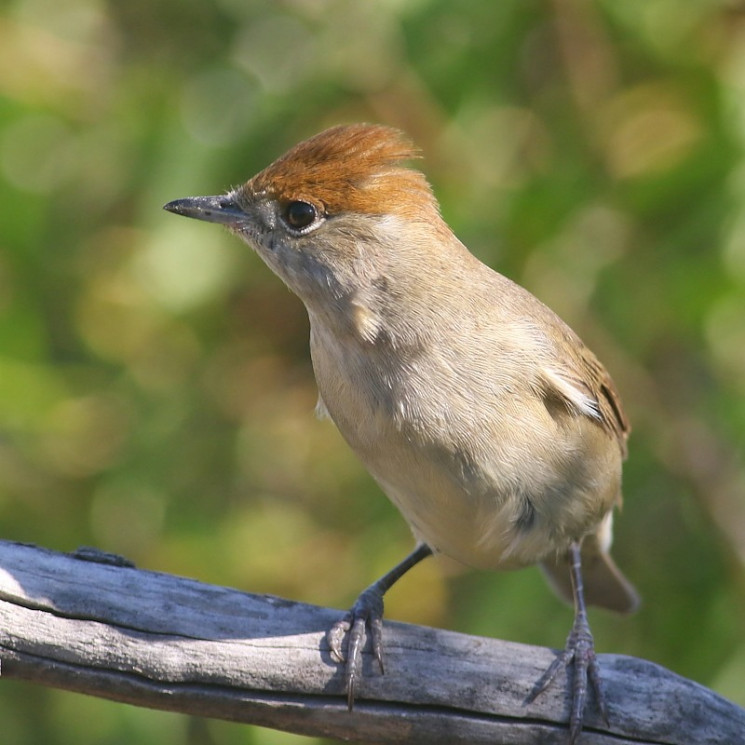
(221, 209)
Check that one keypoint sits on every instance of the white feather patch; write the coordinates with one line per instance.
(366, 322)
(321, 411)
(604, 533)
(568, 389)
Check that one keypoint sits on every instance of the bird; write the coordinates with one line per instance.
(483, 417)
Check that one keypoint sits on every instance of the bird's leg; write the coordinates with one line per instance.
(367, 613)
(579, 650)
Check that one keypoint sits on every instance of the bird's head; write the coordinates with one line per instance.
(334, 213)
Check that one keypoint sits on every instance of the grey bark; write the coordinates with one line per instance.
(89, 623)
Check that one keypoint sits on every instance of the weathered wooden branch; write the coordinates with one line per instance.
(85, 624)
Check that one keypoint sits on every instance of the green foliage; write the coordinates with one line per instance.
(155, 391)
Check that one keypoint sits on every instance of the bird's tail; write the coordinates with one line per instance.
(604, 584)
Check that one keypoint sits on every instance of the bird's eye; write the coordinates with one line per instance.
(299, 215)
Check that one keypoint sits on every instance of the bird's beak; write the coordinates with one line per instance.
(221, 209)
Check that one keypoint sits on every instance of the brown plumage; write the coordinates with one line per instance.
(352, 168)
(490, 425)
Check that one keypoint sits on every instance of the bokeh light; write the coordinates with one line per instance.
(156, 394)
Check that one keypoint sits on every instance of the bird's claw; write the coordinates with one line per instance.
(366, 615)
(580, 653)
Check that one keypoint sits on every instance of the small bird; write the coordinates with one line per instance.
(484, 418)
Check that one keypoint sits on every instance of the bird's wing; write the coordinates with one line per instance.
(579, 379)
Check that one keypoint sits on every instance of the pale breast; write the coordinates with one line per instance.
(481, 468)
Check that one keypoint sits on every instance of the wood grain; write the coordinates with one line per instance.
(86, 623)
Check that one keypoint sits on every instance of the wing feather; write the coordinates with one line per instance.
(585, 387)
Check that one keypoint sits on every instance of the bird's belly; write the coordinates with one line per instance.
(498, 509)
(483, 471)
(483, 527)
(477, 531)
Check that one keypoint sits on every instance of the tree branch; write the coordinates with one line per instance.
(89, 623)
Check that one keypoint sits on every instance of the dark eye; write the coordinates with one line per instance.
(299, 215)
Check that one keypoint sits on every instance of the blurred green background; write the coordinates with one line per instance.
(156, 396)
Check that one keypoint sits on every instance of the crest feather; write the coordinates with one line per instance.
(349, 168)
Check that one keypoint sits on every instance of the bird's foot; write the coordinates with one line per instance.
(365, 615)
(580, 654)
